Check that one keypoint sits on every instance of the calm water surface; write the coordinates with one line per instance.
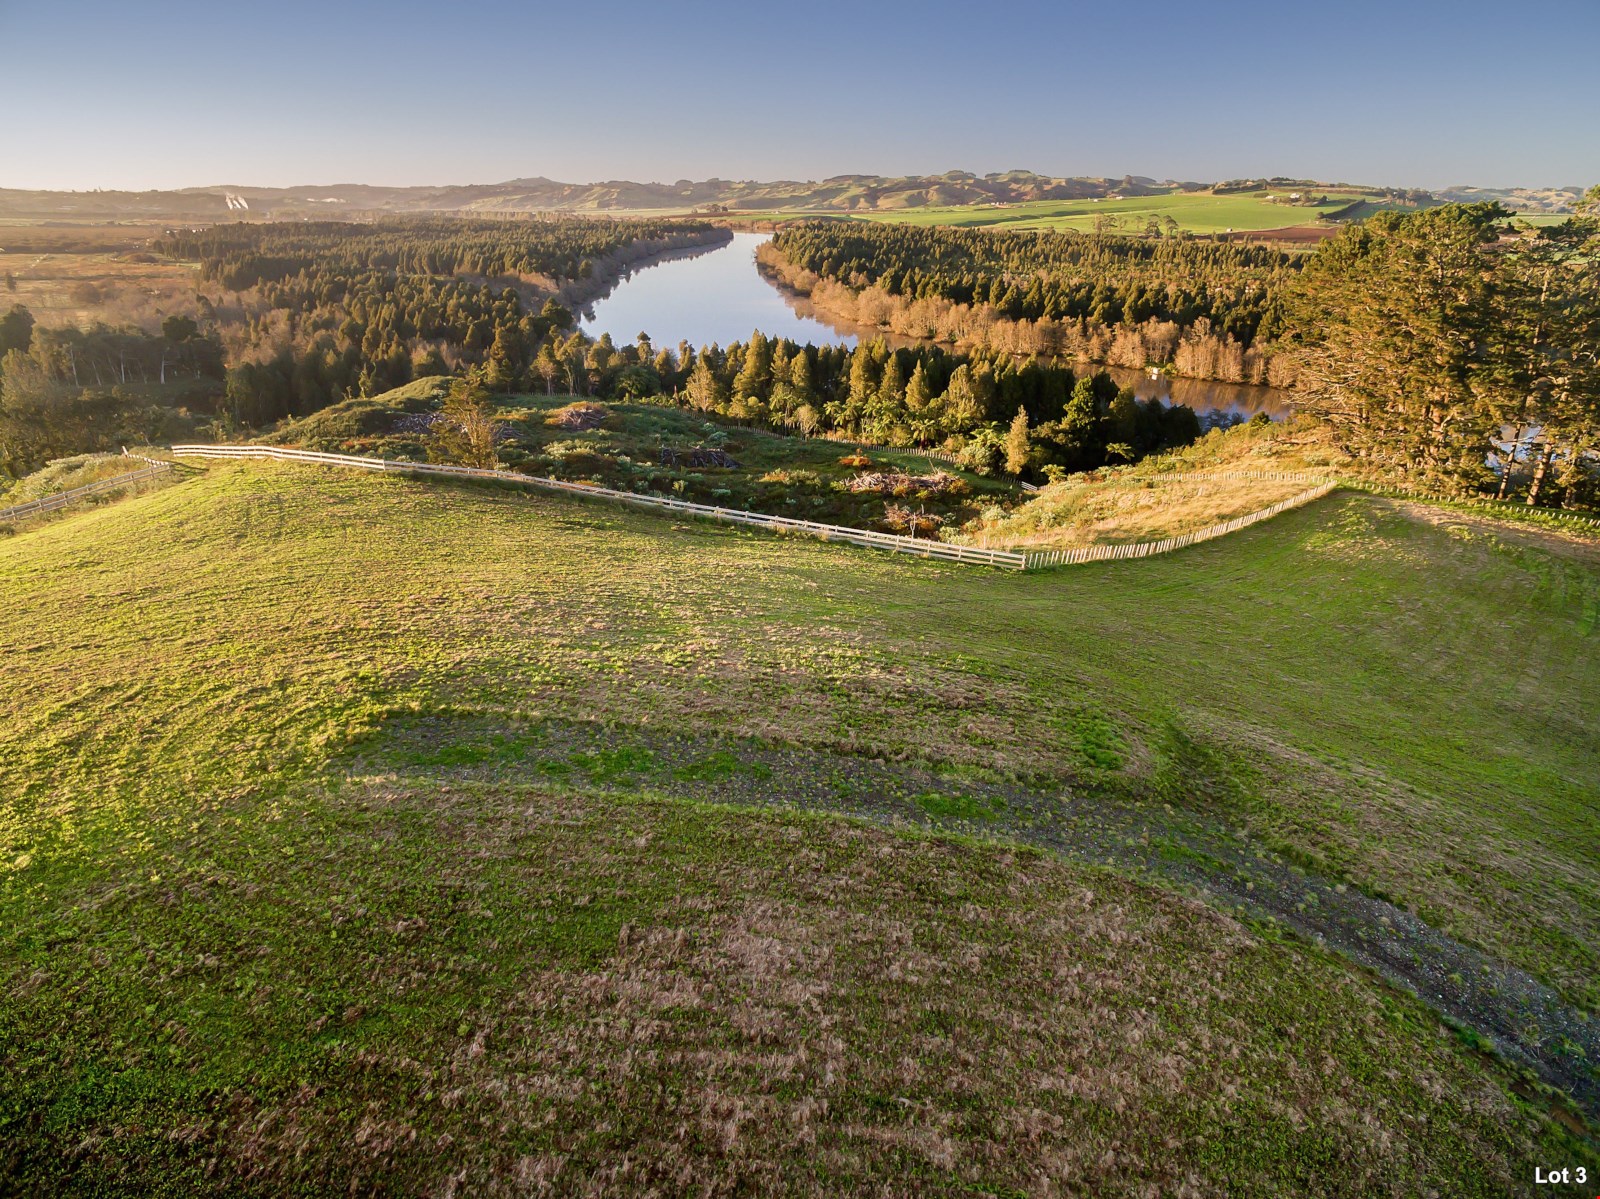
(719, 296)
(711, 296)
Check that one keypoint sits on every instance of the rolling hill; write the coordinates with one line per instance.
(366, 833)
(840, 194)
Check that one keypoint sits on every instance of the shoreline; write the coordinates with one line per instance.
(976, 328)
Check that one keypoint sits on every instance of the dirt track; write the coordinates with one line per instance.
(1527, 1022)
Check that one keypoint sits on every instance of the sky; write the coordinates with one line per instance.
(142, 94)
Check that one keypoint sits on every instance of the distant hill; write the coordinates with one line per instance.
(838, 194)
(1518, 199)
(841, 193)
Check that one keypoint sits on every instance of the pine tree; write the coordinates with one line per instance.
(1080, 426)
(1545, 380)
(466, 431)
(504, 369)
(891, 387)
(800, 375)
(960, 402)
(917, 393)
(1392, 329)
(755, 374)
(704, 389)
(1019, 449)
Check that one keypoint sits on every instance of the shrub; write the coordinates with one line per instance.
(793, 478)
(583, 414)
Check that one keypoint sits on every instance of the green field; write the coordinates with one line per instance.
(1195, 212)
(347, 848)
(1198, 212)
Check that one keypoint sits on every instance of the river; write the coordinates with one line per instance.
(706, 296)
(718, 295)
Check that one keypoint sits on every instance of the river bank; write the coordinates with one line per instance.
(1191, 353)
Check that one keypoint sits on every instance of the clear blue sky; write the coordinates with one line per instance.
(167, 93)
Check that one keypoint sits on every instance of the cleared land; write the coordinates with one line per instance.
(1118, 512)
(1236, 214)
(79, 288)
(257, 931)
(1195, 212)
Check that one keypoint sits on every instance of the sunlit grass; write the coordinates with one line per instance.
(1195, 212)
(223, 942)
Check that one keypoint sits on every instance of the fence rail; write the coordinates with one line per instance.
(62, 499)
(864, 537)
(1105, 475)
(1144, 549)
(1267, 476)
(936, 455)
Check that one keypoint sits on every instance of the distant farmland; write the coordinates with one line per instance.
(1194, 212)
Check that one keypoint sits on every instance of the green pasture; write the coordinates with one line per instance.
(259, 936)
(1196, 212)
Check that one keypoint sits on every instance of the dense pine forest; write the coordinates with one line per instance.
(998, 411)
(343, 309)
(288, 318)
(1205, 308)
(1448, 347)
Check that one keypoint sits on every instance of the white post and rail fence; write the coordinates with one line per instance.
(920, 547)
(1023, 559)
(63, 499)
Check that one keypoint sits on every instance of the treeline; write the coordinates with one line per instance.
(347, 309)
(65, 391)
(1206, 308)
(1451, 349)
(550, 251)
(999, 412)
(318, 312)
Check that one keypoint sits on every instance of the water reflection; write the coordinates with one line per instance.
(713, 296)
(718, 295)
(1237, 400)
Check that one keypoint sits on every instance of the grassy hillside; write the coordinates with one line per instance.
(661, 449)
(80, 470)
(1195, 212)
(1160, 495)
(311, 885)
(64, 474)
(838, 193)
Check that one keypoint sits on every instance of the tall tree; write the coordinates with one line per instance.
(755, 375)
(1391, 323)
(466, 431)
(1019, 447)
(704, 390)
(16, 330)
(892, 387)
(918, 393)
(1543, 387)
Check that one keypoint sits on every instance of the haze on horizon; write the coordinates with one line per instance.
(181, 94)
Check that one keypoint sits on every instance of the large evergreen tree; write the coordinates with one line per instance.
(1391, 323)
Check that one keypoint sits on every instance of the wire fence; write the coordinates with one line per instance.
(1113, 475)
(63, 499)
(937, 455)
